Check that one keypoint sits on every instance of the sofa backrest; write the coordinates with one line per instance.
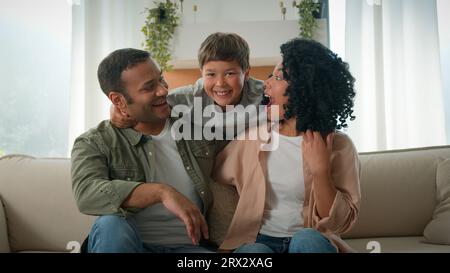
(398, 191)
(39, 206)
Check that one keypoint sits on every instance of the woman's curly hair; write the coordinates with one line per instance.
(321, 88)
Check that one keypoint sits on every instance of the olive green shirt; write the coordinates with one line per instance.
(108, 163)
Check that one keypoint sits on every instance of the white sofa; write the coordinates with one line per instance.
(405, 202)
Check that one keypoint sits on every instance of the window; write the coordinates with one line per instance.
(35, 77)
(385, 44)
(443, 6)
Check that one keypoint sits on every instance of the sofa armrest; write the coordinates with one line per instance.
(4, 243)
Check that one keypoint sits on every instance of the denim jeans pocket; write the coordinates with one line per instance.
(277, 244)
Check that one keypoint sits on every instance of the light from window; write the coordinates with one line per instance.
(35, 77)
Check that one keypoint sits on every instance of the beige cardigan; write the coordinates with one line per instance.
(242, 164)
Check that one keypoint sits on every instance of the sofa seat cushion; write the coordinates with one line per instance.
(39, 206)
(398, 245)
(438, 230)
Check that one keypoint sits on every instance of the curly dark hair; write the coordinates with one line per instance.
(321, 87)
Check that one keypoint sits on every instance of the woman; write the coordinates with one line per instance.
(302, 193)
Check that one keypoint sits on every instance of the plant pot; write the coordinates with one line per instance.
(321, 13)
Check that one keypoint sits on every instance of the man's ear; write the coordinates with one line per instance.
(119, 101)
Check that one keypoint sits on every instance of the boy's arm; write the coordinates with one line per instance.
(182, 95)
(119, 120)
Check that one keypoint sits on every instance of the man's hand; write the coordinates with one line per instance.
(187, 212)
(120, 120)
(148, 194)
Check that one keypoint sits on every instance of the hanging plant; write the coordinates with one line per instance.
(306, 11)
(159, 29)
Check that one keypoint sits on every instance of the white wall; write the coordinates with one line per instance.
(212, 11)
(264, 39)
(259, 22)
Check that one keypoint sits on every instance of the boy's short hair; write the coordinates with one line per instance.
(224, 47)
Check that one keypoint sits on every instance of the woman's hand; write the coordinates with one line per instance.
(317, 158)
(119, 120)
(317, 152)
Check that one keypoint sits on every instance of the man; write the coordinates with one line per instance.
(150, 191)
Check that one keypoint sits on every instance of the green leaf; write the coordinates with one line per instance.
(159, 32)
(307, 23)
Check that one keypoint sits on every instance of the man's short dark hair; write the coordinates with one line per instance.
(224, 47)
(111, 68)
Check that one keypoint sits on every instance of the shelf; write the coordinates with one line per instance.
(263, 37)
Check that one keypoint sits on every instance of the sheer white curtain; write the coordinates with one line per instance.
(34, 76)
(392, 47)
(98, 28)
(444, 40)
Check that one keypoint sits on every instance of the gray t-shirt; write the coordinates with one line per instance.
(156, 224)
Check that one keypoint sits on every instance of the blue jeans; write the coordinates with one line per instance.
(115, 234)
(304, 241)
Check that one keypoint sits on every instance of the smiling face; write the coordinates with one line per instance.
(224, 81)
(148, 91)
(275, 88)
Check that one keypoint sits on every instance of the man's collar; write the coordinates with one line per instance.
(133, 136)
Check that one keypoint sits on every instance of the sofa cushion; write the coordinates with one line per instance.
(4, 244)
(39, 205)
(397, 245)
(398, 192)
(438, 230)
